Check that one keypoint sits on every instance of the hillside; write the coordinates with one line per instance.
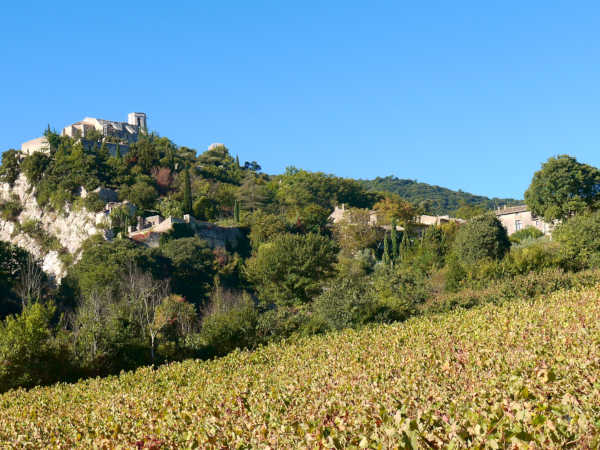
(440, 200)
(497, 376)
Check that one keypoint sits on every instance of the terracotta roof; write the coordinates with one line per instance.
(512, 210)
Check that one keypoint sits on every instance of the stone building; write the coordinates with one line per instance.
(40, 144)
(515, 218)
(123, 133)
(421, 222)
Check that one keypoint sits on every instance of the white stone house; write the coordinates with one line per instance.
(515, 218)
(40, 144)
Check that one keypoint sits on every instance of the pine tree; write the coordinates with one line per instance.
(237, 161)
(236, 211)
(187, 193)
(394, 237)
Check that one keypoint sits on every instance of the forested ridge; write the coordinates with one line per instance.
(436, 199)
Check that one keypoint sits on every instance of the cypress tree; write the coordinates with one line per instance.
(404, 245)
(187, 193)
(118, 151)
(237, 160)
(386, 250)
(394, 236)
(236, 211)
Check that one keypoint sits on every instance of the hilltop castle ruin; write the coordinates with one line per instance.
(121, 133)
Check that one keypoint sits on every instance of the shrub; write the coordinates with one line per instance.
(525, 234)
(346, 302)
(290, 268)
(10, 210)
(93, 203)
(580, 240)
(9, 170)
(29, 353)
(481, 237)
(398, 291)
(526, 286)
(228, 323)
(283, 322)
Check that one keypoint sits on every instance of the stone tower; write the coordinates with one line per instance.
(139, 120)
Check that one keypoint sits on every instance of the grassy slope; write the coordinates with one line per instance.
(526, 371)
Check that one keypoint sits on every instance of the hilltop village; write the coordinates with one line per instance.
(154, 252)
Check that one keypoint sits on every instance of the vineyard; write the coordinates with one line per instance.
(526, 374)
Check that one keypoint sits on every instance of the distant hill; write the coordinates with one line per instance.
(441, 200)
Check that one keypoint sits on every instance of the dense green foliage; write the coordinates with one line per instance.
(290, 268)
(563, 187)
(434, 199)
(523, 375)
(482, 237)
(580, 240)
(271, 266)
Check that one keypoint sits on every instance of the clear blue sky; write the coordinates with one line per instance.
(470, 95)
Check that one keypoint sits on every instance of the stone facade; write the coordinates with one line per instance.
(516, 218)
(125, 132)
(149, 230)
(40, 144)
(421, 222)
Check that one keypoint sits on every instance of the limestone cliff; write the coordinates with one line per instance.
(67, 229)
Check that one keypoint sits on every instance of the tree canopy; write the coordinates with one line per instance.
(563, 187)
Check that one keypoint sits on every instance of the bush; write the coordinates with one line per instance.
(10, 210)
(9, 170)
(228, 323)
(29, 353)
(398, 291)
(93, 203)
(526, 286)
(34, 229)
(290, 268)
(525, 234)
(481, 237)
(580, 240)
(346, 302)
(283, 322)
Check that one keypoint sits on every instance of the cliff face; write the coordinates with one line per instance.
(67, 229)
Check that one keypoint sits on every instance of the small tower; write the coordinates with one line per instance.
(139, 120)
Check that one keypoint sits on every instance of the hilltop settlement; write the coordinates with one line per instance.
(129, 249)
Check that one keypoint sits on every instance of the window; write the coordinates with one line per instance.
(518, 225)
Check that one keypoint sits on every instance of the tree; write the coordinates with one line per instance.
(193, 267)
(579, 237)
(290, 268)
(394, 238)
(187, 193)
(236, 211)
(563, 187)
(28, 355)
(481, 237)
(264, 227)
(354, 231)
(144, 295)
(252, 194)
(393, 207)
(141, 194)
(31, 280)
(469, 211)
(9, 170)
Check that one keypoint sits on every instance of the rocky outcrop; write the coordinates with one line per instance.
(69, 227)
